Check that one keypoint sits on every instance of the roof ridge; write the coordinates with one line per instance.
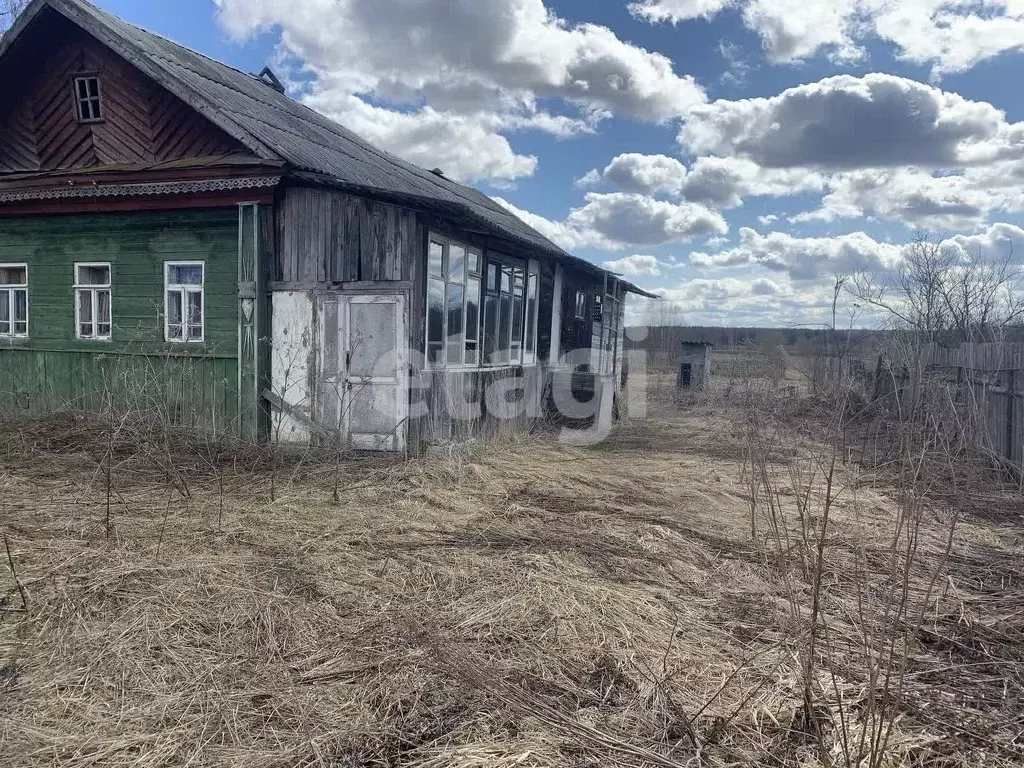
(110, 17)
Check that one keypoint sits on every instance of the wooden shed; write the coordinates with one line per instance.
(694, 365)
(173, 226)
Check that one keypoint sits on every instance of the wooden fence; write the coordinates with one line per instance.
(984, 381)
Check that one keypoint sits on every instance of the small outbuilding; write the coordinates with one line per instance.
(694, 365)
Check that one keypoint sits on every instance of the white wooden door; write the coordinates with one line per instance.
(374, 331)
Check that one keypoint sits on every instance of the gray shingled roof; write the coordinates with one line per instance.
(274, 126)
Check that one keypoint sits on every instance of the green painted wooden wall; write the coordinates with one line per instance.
(51, 369)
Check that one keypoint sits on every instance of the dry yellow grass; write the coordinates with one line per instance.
(533, 605)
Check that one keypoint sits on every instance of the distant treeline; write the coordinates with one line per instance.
(794, 339)
(663, 341)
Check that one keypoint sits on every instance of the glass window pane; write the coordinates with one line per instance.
(5, 306)
(174, 314)
(456, 307)
(20, 306)
(435, 260)
(471, 351)
(13, 276)
(435, 311)
(492, 276)
(94, 87)
(103, 312)
(473, 263)
(517, 318)
(531, 314)
(504, 328)
(85, 306)
(473, 309)
(185, 274)
(83, 88)
(490, 327)
(519, 278)
(195, 314)
(456, 302)
(94, 275)
(456, 263)
(434, 352)
(506, 279)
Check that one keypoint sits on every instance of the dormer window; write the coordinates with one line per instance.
(87, 99)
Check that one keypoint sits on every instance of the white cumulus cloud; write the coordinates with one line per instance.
(481, 65)
(635, 266)
(802, 258)
(635, 172)
(847, 122)
(951, 35)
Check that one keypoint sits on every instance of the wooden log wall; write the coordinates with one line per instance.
(141, 121)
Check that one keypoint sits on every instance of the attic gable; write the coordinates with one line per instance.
(140, 122)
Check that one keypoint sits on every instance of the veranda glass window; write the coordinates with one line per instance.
(453, 303)
(13, 300)
(92, 301)
(510, 313)
(532, 288)
(184, 312)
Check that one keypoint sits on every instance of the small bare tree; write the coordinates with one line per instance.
(940, 293)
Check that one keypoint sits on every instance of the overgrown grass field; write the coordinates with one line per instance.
(671, 597)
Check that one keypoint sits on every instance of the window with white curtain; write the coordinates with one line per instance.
(92, 301)
(14, 300)
(184, 309)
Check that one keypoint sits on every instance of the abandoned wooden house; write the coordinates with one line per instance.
(181, 235)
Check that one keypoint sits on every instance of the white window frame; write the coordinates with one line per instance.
(94, 291)
(580, 312)
(530, 323)
(7, 294)
(184, 289)
(94, 102)
(468, 276)
(510, 266)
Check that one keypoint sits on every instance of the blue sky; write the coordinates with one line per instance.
(731, 154)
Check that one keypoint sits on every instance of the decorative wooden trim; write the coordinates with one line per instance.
(226, 199)
(133, 190)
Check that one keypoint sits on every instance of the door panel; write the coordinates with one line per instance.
(374, 328)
